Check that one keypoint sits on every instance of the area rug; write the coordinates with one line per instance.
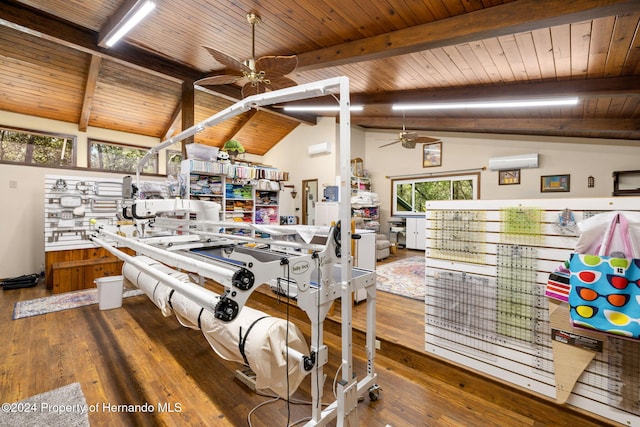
(61, 302)
(64, 406)
(404, 277)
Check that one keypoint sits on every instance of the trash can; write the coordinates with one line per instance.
(393, 249)
(109, 292)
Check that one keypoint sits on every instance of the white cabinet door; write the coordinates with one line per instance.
(366, 250)
(326, 213)
(416, 234)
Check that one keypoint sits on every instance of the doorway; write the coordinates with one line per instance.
(309, 199)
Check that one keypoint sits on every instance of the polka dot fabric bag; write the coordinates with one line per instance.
(605, 287)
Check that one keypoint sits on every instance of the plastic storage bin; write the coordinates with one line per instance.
(109, 292)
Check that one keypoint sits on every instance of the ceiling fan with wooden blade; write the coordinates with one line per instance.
(410, 139)
(266, 72)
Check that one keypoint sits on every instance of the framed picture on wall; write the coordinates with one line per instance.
(554, 183)
(509, 177)
(432, 154)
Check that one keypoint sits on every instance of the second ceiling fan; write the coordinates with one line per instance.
(266, 72)
(410, 139)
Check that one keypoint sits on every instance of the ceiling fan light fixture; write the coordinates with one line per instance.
(132, 18)
(552, 102)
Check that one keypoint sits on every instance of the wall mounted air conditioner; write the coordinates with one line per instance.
(522, 161)
(322, 148)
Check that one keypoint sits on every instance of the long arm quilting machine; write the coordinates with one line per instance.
(186, 235)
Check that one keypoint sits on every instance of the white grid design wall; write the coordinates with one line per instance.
(487, 263)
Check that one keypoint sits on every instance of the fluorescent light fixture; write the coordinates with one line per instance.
(130, 20)
(320, 108)
(489, 104)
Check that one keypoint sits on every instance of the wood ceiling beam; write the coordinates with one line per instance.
(168, 131)
(188, 112)
(246, 119)
(603, 87)
(89, 92)
(504, 125)
(40, 24)
(126, 10)
(514, 17)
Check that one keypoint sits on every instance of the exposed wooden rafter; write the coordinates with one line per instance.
(613, 127)
(40, 24)
(396, 53)
(87, 103)
(509, 18)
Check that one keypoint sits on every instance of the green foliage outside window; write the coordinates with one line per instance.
(411, 195)
(29, 148)
(119, 158)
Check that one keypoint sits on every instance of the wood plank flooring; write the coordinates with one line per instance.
(134, 355)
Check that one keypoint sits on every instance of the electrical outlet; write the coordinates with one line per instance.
(377, 344)
(13, 183)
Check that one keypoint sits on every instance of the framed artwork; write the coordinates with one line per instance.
(509, 177)
(432, 155)
(554, 183)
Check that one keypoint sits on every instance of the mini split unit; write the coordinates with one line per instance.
(522, 161)
(322, 148)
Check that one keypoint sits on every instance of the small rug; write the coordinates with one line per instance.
(404, 277)
(61, 302)
(64, 406)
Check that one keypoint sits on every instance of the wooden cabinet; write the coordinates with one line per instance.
(416, 233)
(76, 269)
(81, 274)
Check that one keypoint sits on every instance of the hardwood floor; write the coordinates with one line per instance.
(134, 355)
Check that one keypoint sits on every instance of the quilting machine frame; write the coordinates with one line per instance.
(241, 269)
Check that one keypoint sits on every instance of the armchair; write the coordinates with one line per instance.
(382, 246)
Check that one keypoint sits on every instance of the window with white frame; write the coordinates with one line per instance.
(34, 148)
(112, 157)
(411, 195)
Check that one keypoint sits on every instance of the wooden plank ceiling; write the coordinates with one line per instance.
(392, 50)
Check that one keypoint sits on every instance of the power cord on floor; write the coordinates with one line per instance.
(274, 399)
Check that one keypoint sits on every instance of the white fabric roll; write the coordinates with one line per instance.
(156, 291)
(262, 337)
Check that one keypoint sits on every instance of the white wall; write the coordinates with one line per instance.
(22, 218)
(22, 222)
(291, 155)
(580, 158)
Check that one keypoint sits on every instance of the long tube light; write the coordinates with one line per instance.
(319, 108)
(489, 104)
(133, 18)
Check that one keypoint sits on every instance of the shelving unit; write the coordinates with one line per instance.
(231, 186)
(359, 183)
(238, 204)
(368, 214)
(266, 206)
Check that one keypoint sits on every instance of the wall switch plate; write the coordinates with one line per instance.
(13, 183)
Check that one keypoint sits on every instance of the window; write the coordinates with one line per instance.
(174, 158)
(38, 149)
(108, 156)
(410, 195)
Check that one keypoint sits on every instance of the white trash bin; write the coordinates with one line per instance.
(109, 292)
